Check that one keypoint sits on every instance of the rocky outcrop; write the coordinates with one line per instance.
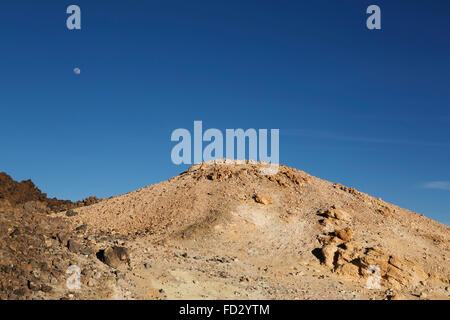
(349, 258)
(25, 195)
(262, 199)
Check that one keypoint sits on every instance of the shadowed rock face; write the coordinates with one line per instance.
(26, 195)
(32, 260)
(36, 248)
(36, 251)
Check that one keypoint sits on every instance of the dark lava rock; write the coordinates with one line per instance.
(81, 228)
(71, 213)
(29, 198)
(30, 256)
(73, 246)
(63, 238)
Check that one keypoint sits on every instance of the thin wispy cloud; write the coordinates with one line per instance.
(439, 185)
(343, 137)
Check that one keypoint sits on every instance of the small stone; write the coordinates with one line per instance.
(81, 228)
(14, 232)
(48, 242)
(36, 273)
(265, 200)
(46, 288)
(73, 246)
(71, 213)
(147, 266)
(338, 214)
(63, 238)
(33, 286)
(86, 251)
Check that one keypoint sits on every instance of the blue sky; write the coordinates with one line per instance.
(368, 109)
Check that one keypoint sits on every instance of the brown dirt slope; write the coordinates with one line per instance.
(273, 228)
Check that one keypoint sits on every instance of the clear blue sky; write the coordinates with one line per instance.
(368, 109)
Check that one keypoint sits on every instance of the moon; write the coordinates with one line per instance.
(77, 70)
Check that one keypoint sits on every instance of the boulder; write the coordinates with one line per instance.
(71, 213)
(328, 254)
(345, 234)
(73, 246)
(114, 256)
(338, 214)
(263, 199)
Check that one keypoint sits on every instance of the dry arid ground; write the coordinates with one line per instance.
(222, 231)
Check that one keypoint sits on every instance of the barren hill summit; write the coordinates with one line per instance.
(216, 189)
(277, 226)
(221, 230)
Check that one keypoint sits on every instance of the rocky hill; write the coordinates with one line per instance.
(228, 231)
